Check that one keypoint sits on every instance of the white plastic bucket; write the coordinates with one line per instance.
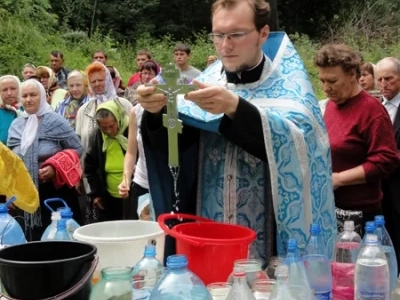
(121, 243)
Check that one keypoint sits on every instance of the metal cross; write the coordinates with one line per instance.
(171, 88)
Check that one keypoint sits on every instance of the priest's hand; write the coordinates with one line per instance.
(214, 99)
(150, 101)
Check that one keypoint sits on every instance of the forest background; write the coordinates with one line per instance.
(30, 29)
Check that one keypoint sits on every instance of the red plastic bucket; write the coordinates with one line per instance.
(210, 247)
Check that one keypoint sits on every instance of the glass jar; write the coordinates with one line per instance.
(115, 283)
(253, 270)
(262, 288)
(274, 262)
(219, 290)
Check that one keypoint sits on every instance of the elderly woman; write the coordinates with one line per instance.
(10, 89)
(367, 80)
(102, 89)
(39, 137)
(361, 154)
(104, 161)
(55, 94)
(78, 95)
(28, 71)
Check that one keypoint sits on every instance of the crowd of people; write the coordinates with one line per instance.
(257, 148)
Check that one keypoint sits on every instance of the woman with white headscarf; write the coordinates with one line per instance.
(38, 136)
(10, 91)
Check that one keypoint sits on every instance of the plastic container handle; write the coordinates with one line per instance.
(54, 200)
(10, 201)
(161, 221)
(72, 290)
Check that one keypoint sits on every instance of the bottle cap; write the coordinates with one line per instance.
(379, 220)
(315, 228)
(292, 245)
(370, 227)
(348, 225)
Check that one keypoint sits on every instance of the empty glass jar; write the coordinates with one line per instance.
(253, 270)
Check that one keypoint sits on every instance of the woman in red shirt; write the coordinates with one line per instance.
(360, 134)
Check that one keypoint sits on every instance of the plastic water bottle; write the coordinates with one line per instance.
(240, 289)
(72, 225)
(51, 230)
(146, 273)
(396, 292)
(372, 272)
(387, 245)
(179, 283)
(318, 265)
(370, 228)
(297, 271)
(115, 284)
(62, 233)
(281, 289)
(343, 266)
(11, 232)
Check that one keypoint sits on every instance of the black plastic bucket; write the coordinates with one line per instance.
(51, 269)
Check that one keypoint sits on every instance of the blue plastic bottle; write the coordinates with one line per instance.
(179, 283)
(11, 232)
(297, 272)
(146, 273)
(318, 265)
(51, 230)
(62, 233)
(387, 246)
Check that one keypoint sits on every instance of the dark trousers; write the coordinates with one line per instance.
(112, 208)
(130, 205)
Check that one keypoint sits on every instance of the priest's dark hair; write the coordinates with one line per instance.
(261, 9)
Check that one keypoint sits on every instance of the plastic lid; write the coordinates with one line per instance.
(150, 251)
(370, 227)
(315, 228)
(379, 220)
(65, 212)
(3, 208)
(348, 225)
(177, 261)
(292, 245)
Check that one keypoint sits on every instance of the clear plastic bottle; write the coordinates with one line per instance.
(281, 290)
(370, 228)
(11, 232)
(396, 292)
(343, 265)
(62, 233)
(51, 230)
(253, 269)
(240, 289)
(372, 272)
(115, 283)
(146, 273)
(387, 246)
(263, 288)
(179, 283)
(318, 265)
(297, 271)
